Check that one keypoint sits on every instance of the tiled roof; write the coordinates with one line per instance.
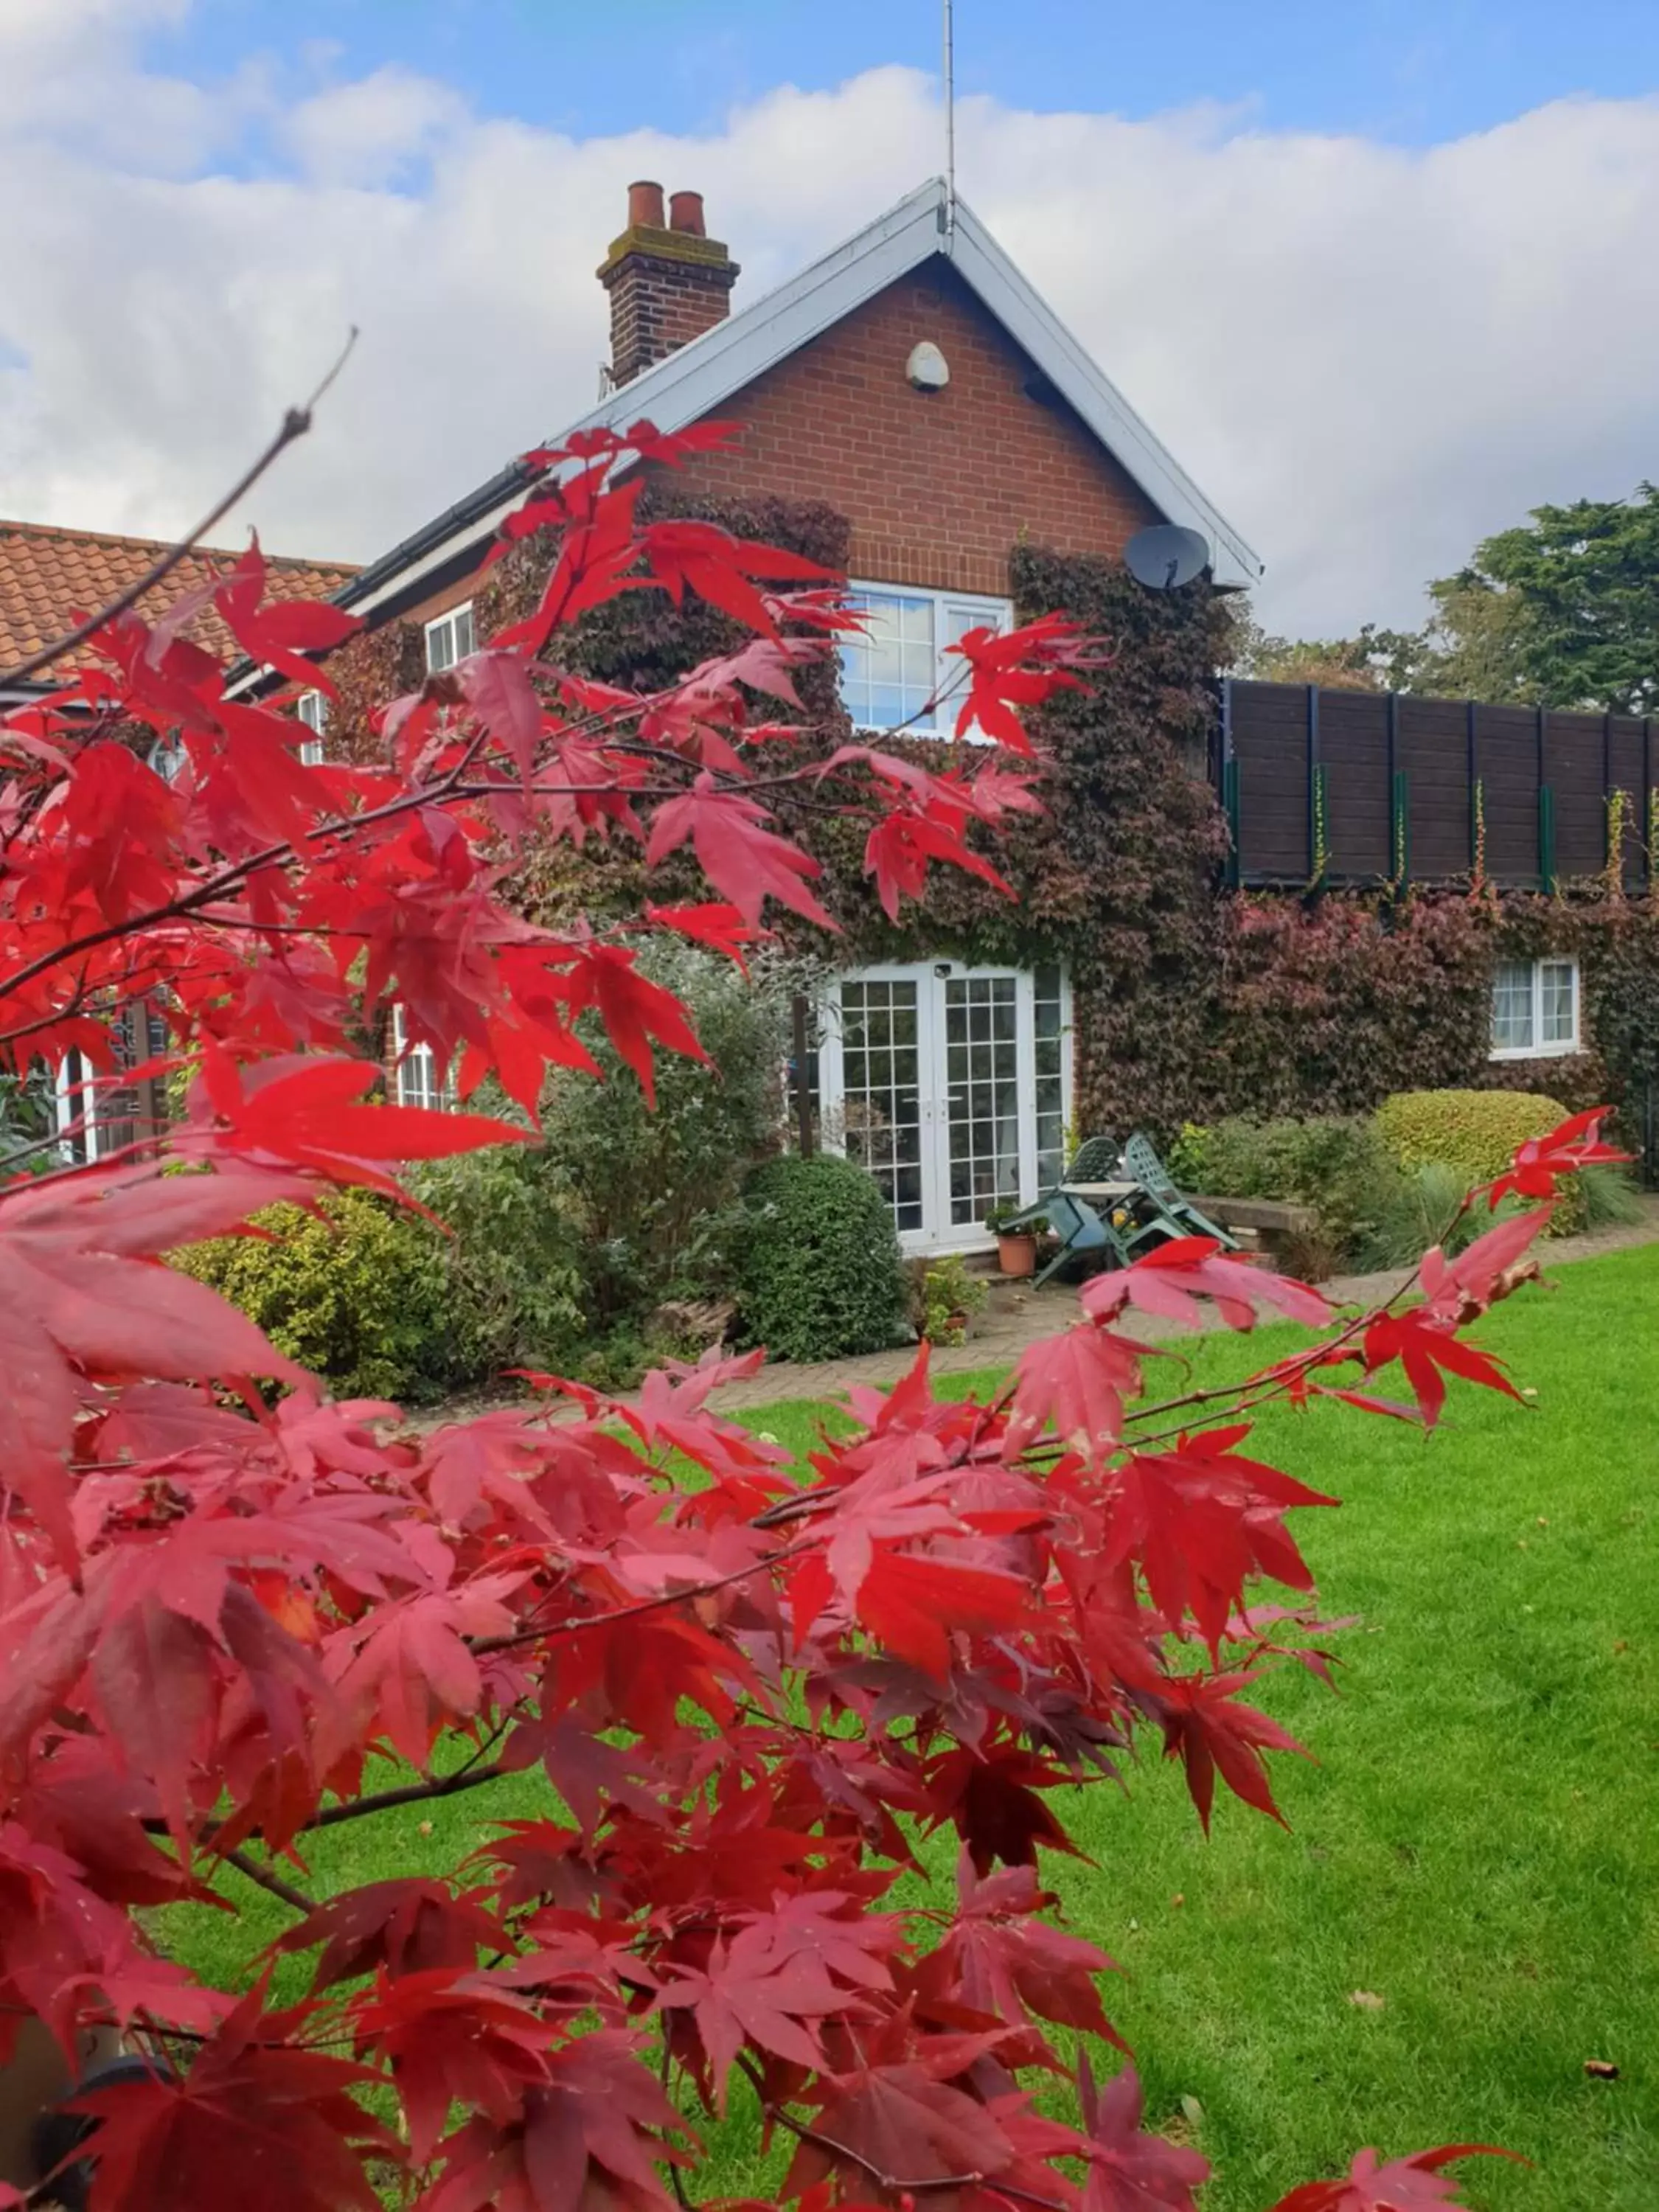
(49, 577)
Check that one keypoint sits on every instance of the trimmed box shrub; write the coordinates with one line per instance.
(820, 1275)
(358, 1292)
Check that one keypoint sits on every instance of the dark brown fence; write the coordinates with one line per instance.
(1375, 788)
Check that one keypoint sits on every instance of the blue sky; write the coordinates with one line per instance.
(1380, 273)
(1408, 71)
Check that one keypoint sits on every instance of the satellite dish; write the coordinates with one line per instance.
(1166, 555)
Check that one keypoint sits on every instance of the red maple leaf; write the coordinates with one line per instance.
(1204, 1724)
(633, 1010)
(593, 2132)
(1168, 1280)
(79, 1291)
(999, 1958)
(718, 924)
(1129, 2170)
(283, 2122)
(1538, 1163)
(409, 1926)
(1429, 1352)
(755, 1993)
(1019, 668)
(739, 856)
(703, 558)
(283, 633)
(899, 847)
(1403, 2184)
(991, 1797)
(451, 2038)
(1200, 1520)
(1079, 1380)
(301, 1111)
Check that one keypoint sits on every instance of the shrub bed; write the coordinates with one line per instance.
(820, 1275)
(358, 1292)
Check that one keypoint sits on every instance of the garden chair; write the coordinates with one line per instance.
(1075, 1216)
(1166, 1211)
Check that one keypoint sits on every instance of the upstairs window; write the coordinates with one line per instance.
(167, 757)
(312, 709)
(1535, 1009)
(891, 673)
(414, 1078)
(449, 639)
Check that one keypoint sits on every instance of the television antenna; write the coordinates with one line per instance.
(949, 118)
(1165, 557)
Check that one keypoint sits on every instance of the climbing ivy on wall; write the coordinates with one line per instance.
(1187, 1003)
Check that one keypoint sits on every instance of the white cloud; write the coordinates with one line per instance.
(1370, 357)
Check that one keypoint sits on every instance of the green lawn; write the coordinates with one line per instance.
(1478, 1846)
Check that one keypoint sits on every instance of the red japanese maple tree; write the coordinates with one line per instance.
(751, 1700)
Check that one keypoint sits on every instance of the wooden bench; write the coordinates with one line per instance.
(1259, 1223)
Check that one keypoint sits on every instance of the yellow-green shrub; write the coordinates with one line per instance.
(1473, 1132)
(359, 1296)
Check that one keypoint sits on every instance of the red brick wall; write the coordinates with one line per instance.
(938, 486)
(658, 305)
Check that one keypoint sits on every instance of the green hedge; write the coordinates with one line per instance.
(1338, 1164)
(1473, 1130)
(359, 1295)
(820, 1275)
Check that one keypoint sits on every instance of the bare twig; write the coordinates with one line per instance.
(295, 424)
(267, 1879)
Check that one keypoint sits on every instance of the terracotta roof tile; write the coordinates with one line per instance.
(49, 577)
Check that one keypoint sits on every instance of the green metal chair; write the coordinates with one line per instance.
(1082, 1233)
(1167, 1212)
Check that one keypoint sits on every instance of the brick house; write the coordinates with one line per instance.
(913, 381)
(49, 577)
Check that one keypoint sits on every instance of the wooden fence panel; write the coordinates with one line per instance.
(1270, 745)
(1506, 748)
(1543, 782)
(1353, 747)
(1433, 750)
(1574, 746)
(1627, 771)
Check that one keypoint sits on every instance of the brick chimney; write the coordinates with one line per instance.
(668, 282)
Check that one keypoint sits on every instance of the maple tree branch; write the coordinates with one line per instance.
(266, 1880)
(577, 1625)
(295, 424)
(410, 1793)
(894, 2184)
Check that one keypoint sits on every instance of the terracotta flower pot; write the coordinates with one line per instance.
(1017, 1252)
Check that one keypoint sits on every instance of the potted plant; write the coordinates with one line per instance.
(951, 1299)
(1017, 1235)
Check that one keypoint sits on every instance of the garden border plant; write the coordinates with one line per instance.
(218, 1616)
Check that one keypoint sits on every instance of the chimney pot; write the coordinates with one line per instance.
(669, 282)
(645, 206)
(685, 214)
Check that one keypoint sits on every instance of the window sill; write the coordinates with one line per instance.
(1535, 1051)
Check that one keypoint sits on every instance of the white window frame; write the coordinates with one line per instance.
(74, 1098)
(938, 1233)
(445, 630)
(981, 611)
(415, 1072)
(167, 756)
(311, 707)
(1556, 1048)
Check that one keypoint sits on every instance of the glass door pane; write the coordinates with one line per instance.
(881, 1090)
(981, 1061)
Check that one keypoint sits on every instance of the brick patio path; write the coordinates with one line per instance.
(1015, 1318)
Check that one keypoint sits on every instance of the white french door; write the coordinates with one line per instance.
(950, 1083)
